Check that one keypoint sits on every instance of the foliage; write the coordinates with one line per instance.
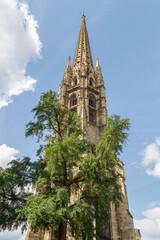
(14, 183)
(74, 187)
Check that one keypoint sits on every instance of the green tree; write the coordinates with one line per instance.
(14, 183)
(74, 187)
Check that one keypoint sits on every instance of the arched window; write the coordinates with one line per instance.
(73, 100)
(75, 82)
(92, 101)
(92, 108)
(91, 82)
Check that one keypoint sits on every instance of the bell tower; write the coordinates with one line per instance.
(82, 89)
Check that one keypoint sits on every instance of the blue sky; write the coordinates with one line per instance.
(125, 36)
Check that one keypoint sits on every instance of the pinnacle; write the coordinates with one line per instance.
(97, 63)
(69, 62)
(68, 68)
(83, 52)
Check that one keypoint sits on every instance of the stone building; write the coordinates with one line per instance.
(82, 90)
(137, 234)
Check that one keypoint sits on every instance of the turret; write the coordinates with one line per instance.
(65, 84)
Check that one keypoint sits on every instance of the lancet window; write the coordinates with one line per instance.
(73, 103)
(73, 100)
(90, 82)
(92, 109)
(92, 101)
(75, 82)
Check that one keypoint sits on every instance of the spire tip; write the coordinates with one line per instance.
(97, 63)
(83, 16)
(83, 52)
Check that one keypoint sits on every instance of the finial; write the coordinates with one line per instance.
(97, 63)
(69, 62)
(83, 16)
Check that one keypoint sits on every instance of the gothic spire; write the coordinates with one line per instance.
(83, 52)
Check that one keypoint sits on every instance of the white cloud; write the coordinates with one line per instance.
(153, 213)
(151, 158)
(134, 164)
(22, 238)
(19, 42)
(150, 224)
(14, 235)
(7, 154)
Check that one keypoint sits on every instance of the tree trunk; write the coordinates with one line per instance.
(62, 232)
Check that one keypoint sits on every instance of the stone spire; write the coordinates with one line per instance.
(83, 52)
